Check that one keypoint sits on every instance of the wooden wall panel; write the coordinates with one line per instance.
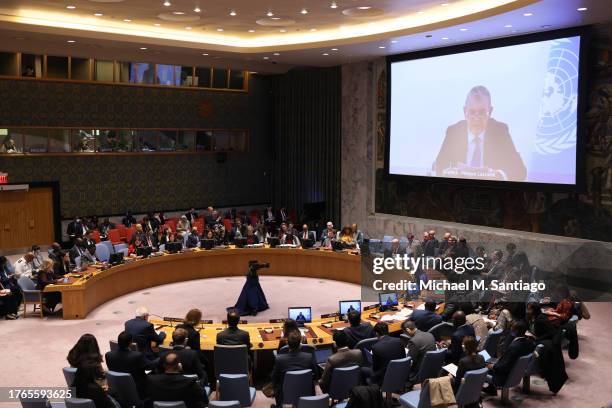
(26, 218)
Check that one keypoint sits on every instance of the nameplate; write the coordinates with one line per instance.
(173, 319)
(371, 307)
(241, 322)
(327, 316)
(277, 320)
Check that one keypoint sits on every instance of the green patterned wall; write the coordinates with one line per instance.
(113, 184)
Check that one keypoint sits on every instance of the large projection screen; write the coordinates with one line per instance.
(507, 113)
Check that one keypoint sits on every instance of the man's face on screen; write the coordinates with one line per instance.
(477, 113)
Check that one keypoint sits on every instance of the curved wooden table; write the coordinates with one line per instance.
(84, 294)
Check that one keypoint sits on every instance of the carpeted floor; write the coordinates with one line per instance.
(34, 350)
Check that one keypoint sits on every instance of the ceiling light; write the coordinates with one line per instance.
(232, 13)
(269, 13)
(304, 11)
(508, 26)
(127, 20)
(70, 7)
(167, 3)
(266, 58)
(325, 53)
(364, 7)
(188, 28)
(382, 47)
(219, 29)
(251, 31)
(98, 14)
(334, 49)
(463, 29)
(528, 14)
(205, 54)
(277, 54)
(582, 9)
(333, 5)
(178, 13)
(143, 48)
(71, 41)
(197, 9)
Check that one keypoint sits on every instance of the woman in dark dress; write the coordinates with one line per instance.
(86, 385)
(252, 299)
(86, 350)
(471, 361)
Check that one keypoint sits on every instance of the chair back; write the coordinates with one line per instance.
(231, 359)
(79, 403)
(224, 404)
(235, 387)
(113, 345)
(109, 245)
(297, 384)
(121, 229)
(343, 379)
(69, 374)
(113, 236)
(533, 367)
(431, 365)
(95, 234)
(129, 232)
(102, 252)
(442, 330)
(26, 283)
(396, 375)
(122, 386)
(121, 248)
(169, 404)
(304, 348)
(469, 391)
(33, 403)
(316, 401)
(424, 400)
(365, 346)
(386, 241)
(518, 371)
(492, 342)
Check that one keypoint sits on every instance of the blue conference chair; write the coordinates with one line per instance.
(469, 391)
(231, 359)
(387, 242)
(122, 386)
(69, 373)
(431, 365)
(365, 346)
(316, 401)
(514, 378)
(79, 403)
(109, 245)
(297, 384)
(121, 248)
(224, 404)
(416, 398)
(102, 252)
(343, 379)
(441, 330)
(533, 368)
(396, 377)
(169, 404)
(33, 403)
(31, 295)
(235, 387)
(492, 342)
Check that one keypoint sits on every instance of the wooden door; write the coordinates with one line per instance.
(26, 218)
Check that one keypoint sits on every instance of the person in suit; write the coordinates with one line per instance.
(431, 245)
(128, 220)
(193, 240)
(413, 246)
(419, 343)
(88, 239)
(383, 351)
(86, 385)
(480, 142)
(445, 242)
(328, 242)
(395, 249)
(518, 347)
(143, 333)
(290, 361)
(329, 227)
(343, 357)
(191, 215)
(427, 318)
(307, 234)
(76, 228)
(538, 323)
(233, 336)
(496, 268)
(357, 234)
(357, 331)
(470, 361)
(192, 319)
(125, 360)
(105, 227)
(282, 217)
(290, 239)
(189, 359)
(172, 385)
(462, 329)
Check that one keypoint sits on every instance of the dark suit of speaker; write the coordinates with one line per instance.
(425, 320)
(128, 361)
(189, 359)
(499, 152)
(233, 336)
(455, 351)
(143, 334)
(354, 334)
(175, 387)
(383, 351)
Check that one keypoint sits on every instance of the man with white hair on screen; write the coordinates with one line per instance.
(144, 333)
(480, 146)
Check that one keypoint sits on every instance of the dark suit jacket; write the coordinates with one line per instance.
(383, 351)
(424, 319)
(418, 345)
(499, 152)
(175, 387)
(190, 361)
(75, 229)
(233, 336)
(467, 364)
(290, 362)
(519, 347)
(128, 361)
(143, 334)
(356, 334)
(95, 393)
(311, 235)
(455, 350)
(193, 336)
(389, 252)
(342, 358)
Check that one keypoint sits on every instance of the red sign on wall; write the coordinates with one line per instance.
(3, 178)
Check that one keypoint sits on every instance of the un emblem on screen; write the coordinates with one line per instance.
(557, 127)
